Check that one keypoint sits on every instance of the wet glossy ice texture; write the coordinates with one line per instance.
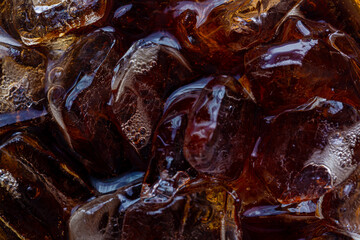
(79, 88)
(22, 76)
(342, 205)
(179, 119)
(200, 211)
(102, 218)
(35, 182)
(306, 59)
(221, 129)
(305, 152)
(144, 77)
(196, 135)
(216, 30)
(168, 170)
(342, 14)
(38, 21)
(22, 81)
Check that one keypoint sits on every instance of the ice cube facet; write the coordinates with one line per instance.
(39, 21)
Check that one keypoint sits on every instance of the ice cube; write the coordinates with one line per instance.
(341, 205)
(22, 75)
(305, 152)
(79, 89)
(38, 188)
(144, 77)
(200, 211)
(221, 130)
(169, 170)
(102, 217)
(212, 31)
(342, 14)
(39, 21)
(306, 59)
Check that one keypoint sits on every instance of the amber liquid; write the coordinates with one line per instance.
(179, 119)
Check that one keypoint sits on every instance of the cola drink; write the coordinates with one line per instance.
(174, 119)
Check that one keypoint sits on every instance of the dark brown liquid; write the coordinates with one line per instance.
(179, 119)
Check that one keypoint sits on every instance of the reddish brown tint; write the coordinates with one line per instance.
(174, 119)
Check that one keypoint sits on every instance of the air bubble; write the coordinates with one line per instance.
(55, 74)
(142, 130)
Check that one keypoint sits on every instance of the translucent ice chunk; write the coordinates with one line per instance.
(102, 217)
(78, 90)
(306, 59)
(215, 30)
(305, 152)
(341, 206)
(22, 75)
(34, 181)
(169, 170)
(222, 120)
(203, 211)
(342, 14)
(39, 21)
(144, 77)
